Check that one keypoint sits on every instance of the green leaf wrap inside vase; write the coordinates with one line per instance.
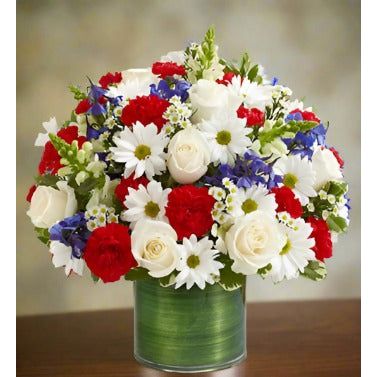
(189, 330)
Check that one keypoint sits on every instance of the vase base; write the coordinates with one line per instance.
(190, 369)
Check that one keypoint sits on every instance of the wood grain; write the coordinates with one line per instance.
(286, 339)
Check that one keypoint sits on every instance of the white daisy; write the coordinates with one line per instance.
(296, 253)
(247, 200)
(51, 127)
(298, 174)
(142, 150)
(62, 256)
(146, 203)
(252, 94)
(227, 137)
(197, 264)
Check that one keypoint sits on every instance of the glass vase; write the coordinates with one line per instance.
(189, 330)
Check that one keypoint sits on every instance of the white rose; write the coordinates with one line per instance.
(209, 98)
(49, 205)
(326, 167)
(154, 246)
(253, 241)
(188, 156)
(174, 56)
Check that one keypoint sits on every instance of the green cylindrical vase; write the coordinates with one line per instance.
(189, 330)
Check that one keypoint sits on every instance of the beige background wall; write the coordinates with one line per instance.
(312, 46)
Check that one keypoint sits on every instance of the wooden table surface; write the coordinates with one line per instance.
(285, 339)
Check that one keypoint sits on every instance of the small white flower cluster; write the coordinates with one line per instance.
(286, 219)
(99, 216)
(111, 122)
(224, 201)
(177, 114)
(337, 206)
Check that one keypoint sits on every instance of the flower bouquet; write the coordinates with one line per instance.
(186, 177)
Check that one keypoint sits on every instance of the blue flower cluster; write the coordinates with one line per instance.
(168, 89)
(71, 231)
(247, 171)
(302, 143)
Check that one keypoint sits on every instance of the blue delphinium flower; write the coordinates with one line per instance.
(303, 142)
(294, 116)
(247, 171)
(168, 89)
(93, 133)
(71, 231)
(95, 93)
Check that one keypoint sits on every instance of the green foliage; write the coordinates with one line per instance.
(69, 121)
(208, 48)
(229, 279)
(315, 270)
(264, 270)
(43, 235)
(336, 223)
(201, 57)
(47, 180)
(84, 173)
(137, 273)
(280, 129)
(167, 181)
(245, 68)
(90, 184)
(168, 280)
(77, 93)
(70, 154)
(321, 203)
(337, 189)
(94, 278)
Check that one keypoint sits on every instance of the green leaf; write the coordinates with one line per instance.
(264, 270)
(252, 74)
(137, 273)
(315, 270)
(43, 235)
(279, 129)
(336, 188)
(229, 279)
(95, 278)
(47, 180)
(77, 93)
(168, 280)
(89, 184)
(336, 223)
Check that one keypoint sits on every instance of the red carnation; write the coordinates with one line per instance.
(306, 115)
(83, 106)
(254, 116)
(108, 252)
(226, 79)
(50, 162)
(189, 210)
(30, 193)
(286, 201)
(121, 191)
(337, 156)
(110, 78)
(164, 70)
(322, 236)
(145, 109)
